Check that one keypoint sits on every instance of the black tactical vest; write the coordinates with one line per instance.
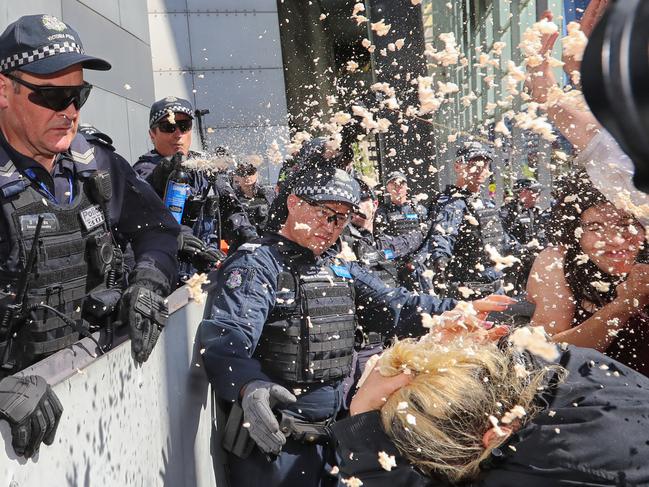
(256, 208)
(372, 258)
(402, 220)
(491, 227)
(75, 249)
(469, 254)
(309, 336)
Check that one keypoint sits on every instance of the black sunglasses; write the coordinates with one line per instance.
(56, 98)
(169, 128)
(338, 219)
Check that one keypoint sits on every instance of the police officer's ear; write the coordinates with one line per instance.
(151, 135)
(292, 201)
(5, 85)
(375, 203)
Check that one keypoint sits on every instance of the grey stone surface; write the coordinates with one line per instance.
(125, 424)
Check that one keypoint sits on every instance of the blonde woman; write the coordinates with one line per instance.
(486, 415)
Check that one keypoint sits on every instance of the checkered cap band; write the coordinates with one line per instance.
(326, 190)
(174, 108)
(17, 60)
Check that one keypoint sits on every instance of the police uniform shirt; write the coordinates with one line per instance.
(151, 228)
(246, 293)
(389, 217)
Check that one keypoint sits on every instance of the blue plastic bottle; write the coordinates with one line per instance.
(178, 188)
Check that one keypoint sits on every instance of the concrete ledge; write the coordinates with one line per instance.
(125, 424)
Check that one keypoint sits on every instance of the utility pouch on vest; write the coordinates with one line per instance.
(236, 438)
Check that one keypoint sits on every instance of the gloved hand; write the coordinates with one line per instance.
(144, 308)
(160, 175)
(193, 250)
(32, 409)
(243, 234)
(259, 399)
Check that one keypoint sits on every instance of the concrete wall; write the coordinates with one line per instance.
(125, 424)
(224, 56)
(118, 31)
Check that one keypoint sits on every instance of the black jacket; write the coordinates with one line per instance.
(593, 431)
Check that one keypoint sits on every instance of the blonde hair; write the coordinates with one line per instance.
(438, 420)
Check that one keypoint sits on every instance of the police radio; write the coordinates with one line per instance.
(178, 188)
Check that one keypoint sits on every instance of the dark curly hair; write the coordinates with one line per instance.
(574, 195)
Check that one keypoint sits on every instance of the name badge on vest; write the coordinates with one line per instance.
(28, 223)
(341, 271)
(389, 254)
(92, 217)
(412, 216)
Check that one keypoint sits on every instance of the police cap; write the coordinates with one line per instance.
(43, 44)
(523, 183)
(474, 150)
(394, 175)
(327, 184)
(245, 169)
(161, 108)
(367, 193)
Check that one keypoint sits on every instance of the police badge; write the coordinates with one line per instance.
(235, 279)
(52, 23)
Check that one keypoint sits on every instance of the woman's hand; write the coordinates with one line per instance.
(492, 303)
(375, 391)
(593, 13)
(541, 78)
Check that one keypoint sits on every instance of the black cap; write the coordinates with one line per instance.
(474, 150)
(161, 108)
(396, 175)
(524, 183)
(324, 184)
(245, 169)
(367, 193)
(43, 44)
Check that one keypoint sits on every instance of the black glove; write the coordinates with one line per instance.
(259, 399)
(32, 409)
(241, 235)
(144, 308)
(193, 250)
(160, 175)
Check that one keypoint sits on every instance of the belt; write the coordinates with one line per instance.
(369, 339)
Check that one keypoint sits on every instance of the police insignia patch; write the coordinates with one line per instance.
(235, 279)
(52, 23)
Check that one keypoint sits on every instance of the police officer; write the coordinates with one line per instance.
(255, 198)
(280, 332)
(377, 255)
(524, 221)
(399, 216)
(522, 218)
(212, 211)
(465, 227)
(65, 205)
